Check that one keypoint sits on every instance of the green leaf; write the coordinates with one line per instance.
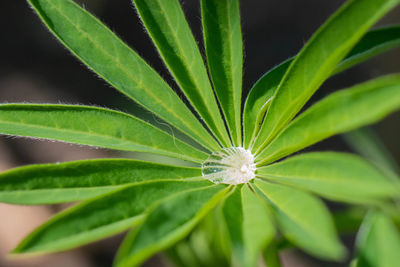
(337, 176)
(368, 144)
(304, 220)
(348, 220)
(94, 127)
(167, 26)
(271, 255)
(340, 112)
(202, 247)
(259, 100)
(317, 61)
(102, 217)
(258, 227)
(248, 224)
(182, 255)
(232, 219)
(378, 242)
(205, 242)
(167, 224)
(224, 50)
(80, 180)
(373, 43)
(103, 52)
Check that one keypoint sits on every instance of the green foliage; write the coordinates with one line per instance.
(103, 52)
(167, 223)
(367, 143)
(316, 62)
(340, 112)
(259, 98)
(248, 224)
(166, 24)
(378, 242)
(178, 208)
(80, 125)
(80, 180)
(332, 175)
(223, 44)
(296, 213)
(102, 216)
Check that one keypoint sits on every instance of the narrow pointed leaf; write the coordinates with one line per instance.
(258, 227)
(101, 217)
(94, 127)
(304, 220)
(373, 43)
(271, 255)
(167, 224)
(340, 112)
(224, 50)
(249, 226)
(182, 255)
(368, 144)
(317, 61)
(80, 180)
(205, 242)
(259, 100)
(378, 242)
(232, 217)
(202, 247)
(167, 26)
(338, 176)
(103, 52)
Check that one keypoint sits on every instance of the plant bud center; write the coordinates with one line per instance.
(234, 165)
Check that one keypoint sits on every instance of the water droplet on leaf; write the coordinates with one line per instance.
(234, 165)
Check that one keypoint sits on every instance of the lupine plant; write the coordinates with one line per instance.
(242, 177)
(375, 225)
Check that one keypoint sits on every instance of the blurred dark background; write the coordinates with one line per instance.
(34, 67)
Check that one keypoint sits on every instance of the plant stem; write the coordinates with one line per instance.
(271, 255)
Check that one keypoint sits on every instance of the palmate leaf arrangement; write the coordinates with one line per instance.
(252, 199)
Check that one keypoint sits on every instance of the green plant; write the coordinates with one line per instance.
(236, 183)
(376, 226)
